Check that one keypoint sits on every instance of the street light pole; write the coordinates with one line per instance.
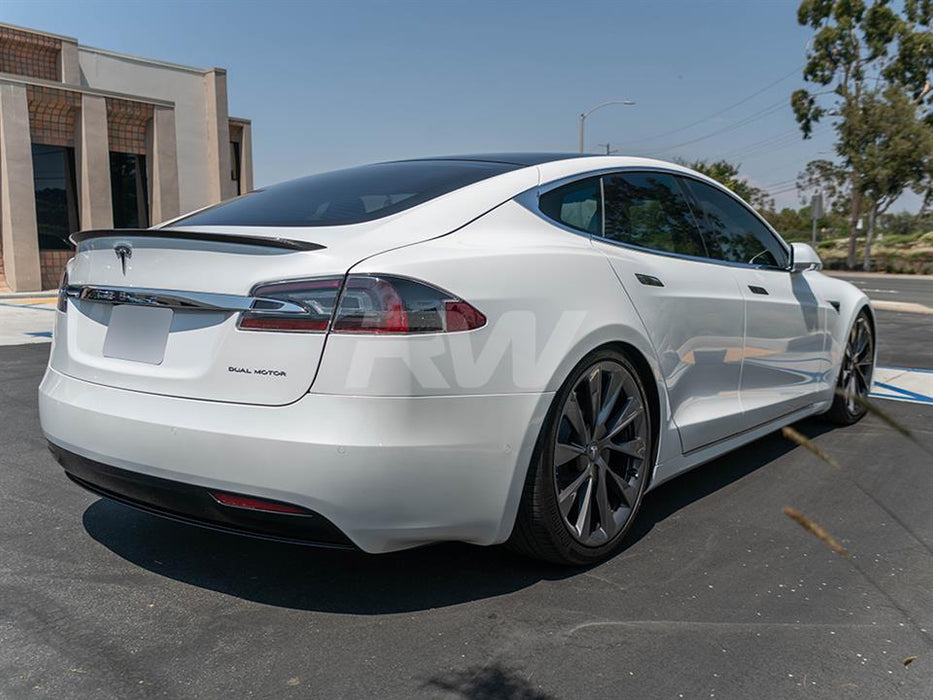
(584, 115)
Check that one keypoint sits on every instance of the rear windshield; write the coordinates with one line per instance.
(347, 196)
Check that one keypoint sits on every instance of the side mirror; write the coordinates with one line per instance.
(804, 258)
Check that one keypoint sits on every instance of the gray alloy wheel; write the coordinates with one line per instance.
(591, 465)
(855, 373)
(599, 453)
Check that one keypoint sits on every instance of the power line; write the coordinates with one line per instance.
(724, 109)
(755, 116)
(762, 143)
(774, 144)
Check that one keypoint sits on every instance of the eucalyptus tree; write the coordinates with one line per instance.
(859, 51)
(726, 173)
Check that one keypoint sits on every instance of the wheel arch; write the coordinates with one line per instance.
(657, 400)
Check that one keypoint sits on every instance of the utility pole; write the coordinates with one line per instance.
(816, 212)
(608, 146)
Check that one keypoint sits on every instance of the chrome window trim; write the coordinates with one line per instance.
(529, 200)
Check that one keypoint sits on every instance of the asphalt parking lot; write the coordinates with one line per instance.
(717, 593)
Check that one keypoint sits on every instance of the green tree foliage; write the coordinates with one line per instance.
(726, 173)
(871, 67)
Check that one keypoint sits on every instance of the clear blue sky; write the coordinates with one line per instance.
(333, 84)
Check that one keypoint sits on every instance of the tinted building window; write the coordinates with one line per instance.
(53, 169)
(235, 165)
(576, 205)
(129, 189)
(732, 232)
(650, 210)
(348, 196)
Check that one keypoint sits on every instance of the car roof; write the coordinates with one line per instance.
(519, 159)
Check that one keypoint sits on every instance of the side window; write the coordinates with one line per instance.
(576, 205)
(650, 210)
(732, 232)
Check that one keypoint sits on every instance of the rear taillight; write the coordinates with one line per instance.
(316, 299)
(62, 292)
(374, 304)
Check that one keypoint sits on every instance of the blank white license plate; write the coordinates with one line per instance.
(138, 333)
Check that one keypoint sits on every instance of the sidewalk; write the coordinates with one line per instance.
(26, 318)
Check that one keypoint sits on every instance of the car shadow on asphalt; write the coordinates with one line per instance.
(306, 578)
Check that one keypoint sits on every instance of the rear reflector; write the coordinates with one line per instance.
(250, 503)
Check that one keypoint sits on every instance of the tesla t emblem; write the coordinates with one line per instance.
(123, 252)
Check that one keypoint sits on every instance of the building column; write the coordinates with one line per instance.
(92, 159)
(70, 70)
(17, 193)
(163, 166)
(246, 158)
(220, 185)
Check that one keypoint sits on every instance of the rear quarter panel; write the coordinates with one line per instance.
(548, 297)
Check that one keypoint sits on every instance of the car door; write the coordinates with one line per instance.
(692, 308)
(785, 359)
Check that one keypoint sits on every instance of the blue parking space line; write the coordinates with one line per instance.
(40, 334)
(906, 393)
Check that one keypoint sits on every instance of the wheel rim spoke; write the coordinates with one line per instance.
(613, 391)
(585, 516)
(629, 493)
(607, 521)
(633, 448)
(631, 411)
(568, 496)
(596, 394)
(575, 416)
(861, 342)
(862, 381)
(564, 453)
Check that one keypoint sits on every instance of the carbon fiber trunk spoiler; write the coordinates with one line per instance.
(262, 241)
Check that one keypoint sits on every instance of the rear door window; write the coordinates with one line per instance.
(650, 210)
(576, 205)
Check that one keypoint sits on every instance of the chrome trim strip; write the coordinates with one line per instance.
(191, 301)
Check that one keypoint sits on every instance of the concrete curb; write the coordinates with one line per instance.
(875, 275)
(909, 307)
(29, 295)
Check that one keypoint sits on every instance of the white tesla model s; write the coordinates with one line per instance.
(496, 348)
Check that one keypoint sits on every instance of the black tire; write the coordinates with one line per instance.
(855, 371)
(542, 529)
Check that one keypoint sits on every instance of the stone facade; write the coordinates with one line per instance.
(79, 106)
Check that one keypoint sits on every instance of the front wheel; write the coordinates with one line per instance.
(855, 374)
(590, 467)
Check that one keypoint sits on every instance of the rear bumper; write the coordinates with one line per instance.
(386, 472)
(194, 504)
